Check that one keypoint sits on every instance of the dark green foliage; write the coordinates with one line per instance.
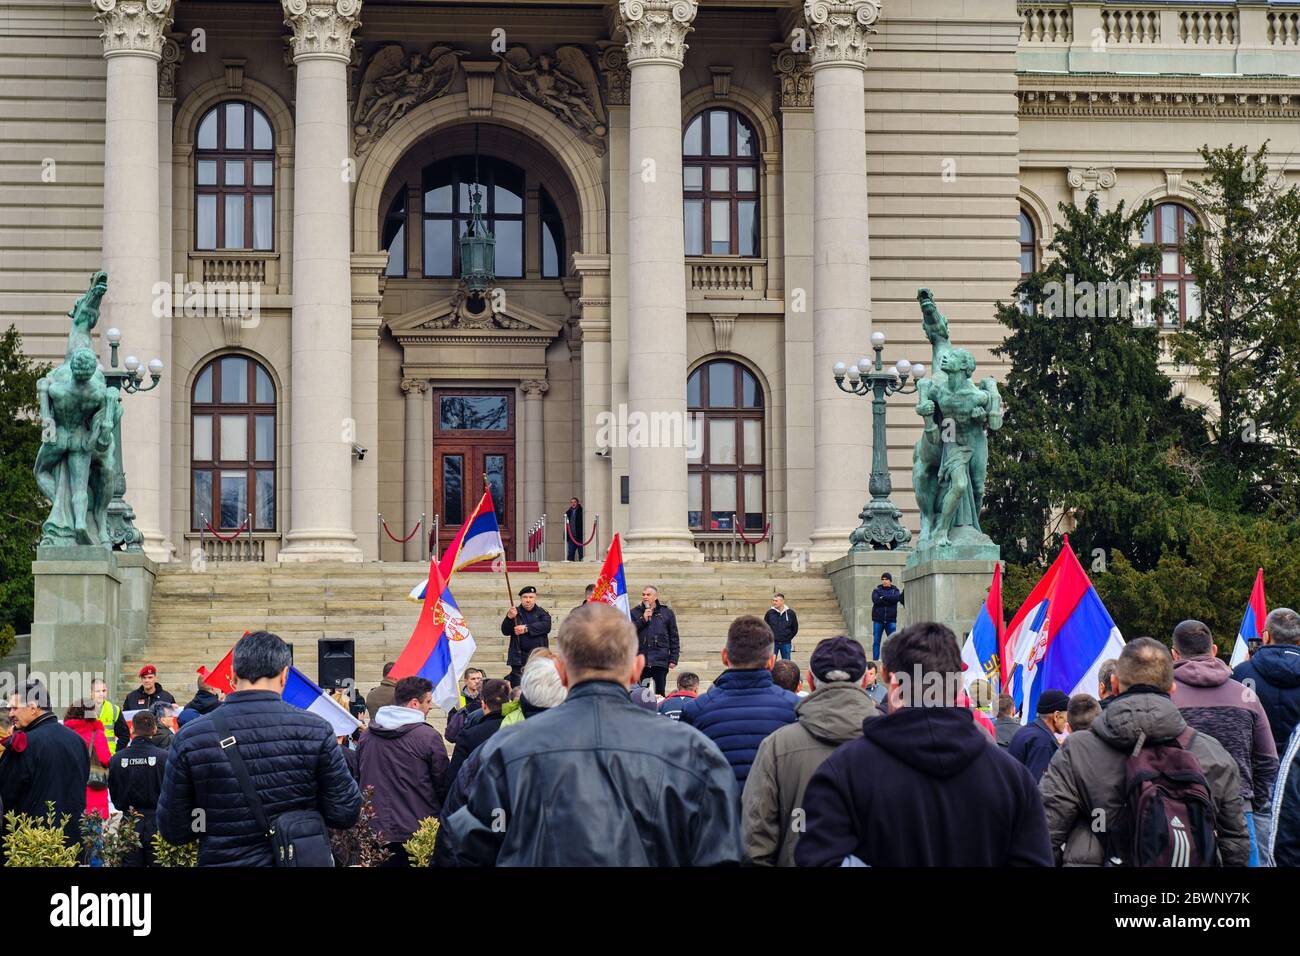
(22, 506)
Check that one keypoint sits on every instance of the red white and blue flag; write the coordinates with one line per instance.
(441, 645)
(611, 586)
(479, 539)
(982, 651)
(1059, 637)
(1252, 622)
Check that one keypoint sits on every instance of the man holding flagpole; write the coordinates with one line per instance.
(529, 627)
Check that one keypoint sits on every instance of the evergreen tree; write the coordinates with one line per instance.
(22, 506)
(1092, 433)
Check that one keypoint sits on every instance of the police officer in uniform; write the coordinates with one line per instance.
(143, 697)
(528, 626)
(135, 776)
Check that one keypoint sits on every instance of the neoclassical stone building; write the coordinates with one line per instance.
(696, 208)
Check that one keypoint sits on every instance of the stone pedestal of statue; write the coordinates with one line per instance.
(950, 592)
(76, 634)
(854, 577)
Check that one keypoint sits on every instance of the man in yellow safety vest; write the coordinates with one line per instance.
(107, 712)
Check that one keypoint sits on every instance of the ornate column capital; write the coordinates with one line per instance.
(839, 31)
(172, 54)
(614, 73)
(794, 73)
(534, 388)
(322, 28)
(1085, 180)
(656, 29)
(134, 27)
(414, 387)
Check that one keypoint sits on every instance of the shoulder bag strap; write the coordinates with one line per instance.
(227, 741)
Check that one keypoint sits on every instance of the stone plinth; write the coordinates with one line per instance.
(76, 633)
(854, 577)
(950, 592)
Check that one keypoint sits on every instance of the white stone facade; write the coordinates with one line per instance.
(894, 146)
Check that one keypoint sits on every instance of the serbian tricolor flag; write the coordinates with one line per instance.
(611, 586)
(1060, 636)
(441, 645)
(982, 651)
(479, 539)
(1252, 622)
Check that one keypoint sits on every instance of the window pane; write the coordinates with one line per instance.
(206, 227)
(1168, 225)
(720, 227)
(234, 126)
(201, 500)
(207, 172)
(1169, 262)
(753, 489)
(695, 438)
(722, 385)
(234, 223)
(265, 387)
(396, 246)
(719, 141)
(550, 253)
(694, 498)
(722, 501)
(751, 396)
(693, 214)
(234, 172)
(722, 441)
(1026, 263)
(507, 200)
(747, 227)
(202, 437)
(453, 511)
(1149, 228)
(234, 498)
(1193, 301)
(437, 247)
(467, 188)
(693, 177)
(263, 172)
(262, 220)
(693, 390)
(745, 179)
(744, 138)
(720, 179)
(693, 141)
(438, 199)
(234, 380)
(510, 247)
(1026, 228)
(753, 431)
(264, 505)
(474, 413)
(203, 387)
(494, 466)
(234, 437)
(207, 138)
(265, 439)
(261, 130)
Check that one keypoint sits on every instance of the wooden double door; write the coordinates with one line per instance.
(473, 449)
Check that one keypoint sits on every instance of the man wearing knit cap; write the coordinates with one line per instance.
(1036, 744)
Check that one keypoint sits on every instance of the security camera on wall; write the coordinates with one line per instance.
(602, 452)
(358, 452)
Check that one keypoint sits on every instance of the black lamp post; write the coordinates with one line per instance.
(121, 527)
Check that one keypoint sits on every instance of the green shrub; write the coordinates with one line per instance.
(420, 846)
(37, 841)
(168, 854)
(110, 841)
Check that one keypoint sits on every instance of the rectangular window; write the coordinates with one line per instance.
(720, 179)
(474, 413)
(234, 238)
(753, 502)
(234, 380)
(202, 438)
(747, 227)
(234, 498)
(745, 179)
(1168, 228)
(206, 227)
(1169, 263)
(722, 441)
(265, 441)
(720, 227)
(693, 213)
(234, 172)
(262, 223)
(207, 173)
(719, 141)
(693, 178)
(453, 508)
(234, 437)
(202, 499)
(437, 247)
(264, 505)
(753, 430)
(722, 385)
(722, 501)
(234, 126)
(263, 172)
(694, 498)
(495, 468)
(510, 247)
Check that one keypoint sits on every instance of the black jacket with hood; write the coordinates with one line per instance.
(405, 760)
(1274, 675)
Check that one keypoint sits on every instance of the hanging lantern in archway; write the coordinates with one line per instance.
(478, 253)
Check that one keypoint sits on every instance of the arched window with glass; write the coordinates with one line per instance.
(447, 187)
(395, 234)
(234, 179)
(1166, 227)
(1028, 245)
(720, 185)
(232, 446)
(725, 460)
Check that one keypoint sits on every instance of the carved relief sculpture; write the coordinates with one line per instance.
(563, 83)
(394, 84)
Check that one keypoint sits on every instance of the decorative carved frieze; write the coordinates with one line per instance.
(172, 54)
(656, 29)
(839, 30)
(394, 83)
(794, 73)
(322, 27)
(1191, 97)
(614, 72)
(562, 83)
(460, 315)
(133, 26)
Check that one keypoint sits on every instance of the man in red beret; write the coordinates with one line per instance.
(143, 697)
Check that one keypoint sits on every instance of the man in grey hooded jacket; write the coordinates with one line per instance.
(832, 714)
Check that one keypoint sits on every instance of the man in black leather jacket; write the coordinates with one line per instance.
(637, 790)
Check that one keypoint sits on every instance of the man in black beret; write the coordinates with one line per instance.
(1036, 744)
(528, 626)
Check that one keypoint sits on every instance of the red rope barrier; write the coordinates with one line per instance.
(235, 534)
(760, 539)
(582, 544)
(388, 531)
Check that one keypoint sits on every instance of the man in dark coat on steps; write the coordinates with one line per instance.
(528, 626)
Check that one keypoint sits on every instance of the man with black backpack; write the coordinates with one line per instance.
(1141, 788)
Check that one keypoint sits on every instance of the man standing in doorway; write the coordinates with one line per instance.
(657, 641)
(528, 626)
(784, 624)
(884, 611)
(574, 538)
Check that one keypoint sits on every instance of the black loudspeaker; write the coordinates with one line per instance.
(336, 662)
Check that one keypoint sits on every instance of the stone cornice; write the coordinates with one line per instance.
(656, 29)
(322, 28)
(839, 30)
(133, 27)
(1158, 96)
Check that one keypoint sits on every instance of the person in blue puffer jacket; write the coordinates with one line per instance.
(743, 706)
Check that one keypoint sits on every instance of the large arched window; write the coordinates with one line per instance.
(720, 185)
(1028, 245)
(725, 474)
(232, 447)
(234, 179)
(447, 186)
(1166, 228)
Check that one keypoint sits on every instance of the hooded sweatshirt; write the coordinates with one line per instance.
(831, 715)
(1274, 674)
(923, 786)
(405, 760)
(1215, 704)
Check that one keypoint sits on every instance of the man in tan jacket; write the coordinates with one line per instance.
(772, 803)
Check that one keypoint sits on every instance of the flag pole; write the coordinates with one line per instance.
(505, 562)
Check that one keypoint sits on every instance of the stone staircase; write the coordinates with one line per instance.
(196, 616)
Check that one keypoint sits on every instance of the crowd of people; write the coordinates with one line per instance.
(580, 755)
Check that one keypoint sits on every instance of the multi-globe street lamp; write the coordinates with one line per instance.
(129, 379)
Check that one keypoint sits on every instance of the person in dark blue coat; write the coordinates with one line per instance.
(924, 785)
(884, 611)
(1284, 848)
(292, 755)
(743, 706)
(1034, 745)
(1273, 673)
(43, 761)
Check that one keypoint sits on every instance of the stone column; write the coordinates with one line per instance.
(322, 427)
(133, 39)
(841, 266)
(172, 55)
(657, 527)
(534, 470)
(415, 452)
